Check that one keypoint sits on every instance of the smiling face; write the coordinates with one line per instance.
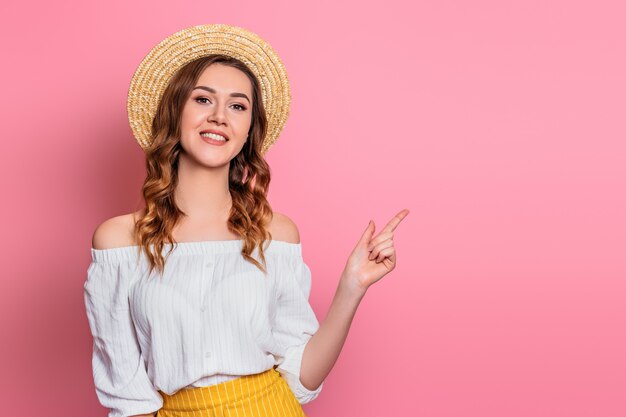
(221, 101)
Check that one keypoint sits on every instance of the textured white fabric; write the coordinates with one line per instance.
(211, 317)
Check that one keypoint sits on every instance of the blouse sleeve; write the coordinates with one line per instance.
(119, 370)
(295, 324)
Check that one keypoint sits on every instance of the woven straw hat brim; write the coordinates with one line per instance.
(161, 63)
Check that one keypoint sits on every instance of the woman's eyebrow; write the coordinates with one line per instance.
(211, 90)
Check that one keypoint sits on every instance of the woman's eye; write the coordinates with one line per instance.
(204, 100)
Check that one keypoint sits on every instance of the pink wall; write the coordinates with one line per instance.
(500, 125)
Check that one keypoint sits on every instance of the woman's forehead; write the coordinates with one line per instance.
(224, 79)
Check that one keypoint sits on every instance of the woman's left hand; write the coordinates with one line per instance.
(373, 257)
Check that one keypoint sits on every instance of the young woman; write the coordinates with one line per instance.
(198, 302)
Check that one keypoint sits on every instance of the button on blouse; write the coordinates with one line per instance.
(211, 317)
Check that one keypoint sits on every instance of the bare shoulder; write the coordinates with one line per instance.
(283, 228)
(114, 232)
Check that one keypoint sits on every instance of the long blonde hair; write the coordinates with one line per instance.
(249, 173)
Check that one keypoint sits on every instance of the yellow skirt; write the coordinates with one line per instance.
(261, 395)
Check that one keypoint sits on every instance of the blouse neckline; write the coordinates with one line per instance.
(202, 247)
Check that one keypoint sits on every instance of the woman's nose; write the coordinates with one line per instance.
(217, 114)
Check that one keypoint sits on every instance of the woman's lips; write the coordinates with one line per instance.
(213, 141)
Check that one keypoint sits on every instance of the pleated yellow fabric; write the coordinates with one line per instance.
(260, 395)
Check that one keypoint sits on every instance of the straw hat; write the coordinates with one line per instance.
(157, 68)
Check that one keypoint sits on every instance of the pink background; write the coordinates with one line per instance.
(500, 125)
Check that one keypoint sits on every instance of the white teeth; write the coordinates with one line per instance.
(213, 136)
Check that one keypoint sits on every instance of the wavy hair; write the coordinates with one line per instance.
(248, 179)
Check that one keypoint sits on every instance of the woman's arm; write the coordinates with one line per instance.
(322, 350)
(372, 258)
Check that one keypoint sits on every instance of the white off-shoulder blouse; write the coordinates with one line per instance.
(211, 317)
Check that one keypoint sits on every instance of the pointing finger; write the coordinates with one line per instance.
(395, 221)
